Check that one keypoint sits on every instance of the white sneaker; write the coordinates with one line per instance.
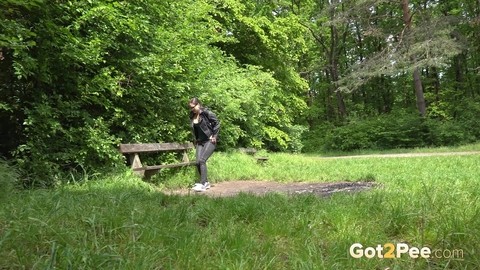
(199, 188)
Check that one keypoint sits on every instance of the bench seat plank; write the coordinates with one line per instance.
(154, 147)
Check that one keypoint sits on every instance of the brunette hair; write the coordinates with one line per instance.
(194, 101)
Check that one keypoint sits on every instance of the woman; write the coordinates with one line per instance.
(205, 128)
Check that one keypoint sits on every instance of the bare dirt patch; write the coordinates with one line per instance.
(232, 188)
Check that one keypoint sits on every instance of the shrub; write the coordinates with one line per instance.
(467, 114)
(395, 130)
(445, 133)
(353, 136)
(295, 132)
(314, 140)
(400, 130)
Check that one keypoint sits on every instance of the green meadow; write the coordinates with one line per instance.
(118, 221)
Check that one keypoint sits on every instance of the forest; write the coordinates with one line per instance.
(77, 78)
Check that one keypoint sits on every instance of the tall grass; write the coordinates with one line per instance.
(120, 222)
(8, 178)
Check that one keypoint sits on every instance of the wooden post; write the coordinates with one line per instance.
(136, 163)
(185, 156)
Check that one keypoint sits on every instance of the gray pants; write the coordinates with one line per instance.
(204, 151)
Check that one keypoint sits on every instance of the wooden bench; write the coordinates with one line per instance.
(134, 151)
(253, 152)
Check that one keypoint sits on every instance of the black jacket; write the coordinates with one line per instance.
(209, 123)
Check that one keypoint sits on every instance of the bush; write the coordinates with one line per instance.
(400, 130)
(315, 140)
(295, 133)
(444, 133)
(467, 114)
(353, 136)
(394, 130)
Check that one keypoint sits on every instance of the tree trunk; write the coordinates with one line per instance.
(333, 60)
(334, 65)
(436, 84)
(459, 73)
(342, 109)
(421, 106)
(329, 106)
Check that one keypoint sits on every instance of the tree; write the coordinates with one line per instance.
(92, 74)
(268, 35)
(422, 41)
(407, 19)
(330, 30)
(16, 39)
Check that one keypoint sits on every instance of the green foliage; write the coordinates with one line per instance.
(79, 77)
(400, 130)
(449, 133)
(467, 112)
(390, 131)
(295, 134)
(353, 136)
(16, 37)
(428, 42)
(92, 74)
(268, 36)
(315, 140)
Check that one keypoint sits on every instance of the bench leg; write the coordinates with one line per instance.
(262, 161)
(185, 157)
(136, 163)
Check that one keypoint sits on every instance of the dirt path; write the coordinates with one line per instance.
(232, 188)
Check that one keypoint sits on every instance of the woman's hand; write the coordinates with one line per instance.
(213, 139)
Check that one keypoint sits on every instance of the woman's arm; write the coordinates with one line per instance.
(215, 123)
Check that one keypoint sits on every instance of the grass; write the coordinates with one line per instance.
(120, 222)
(8, 177)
